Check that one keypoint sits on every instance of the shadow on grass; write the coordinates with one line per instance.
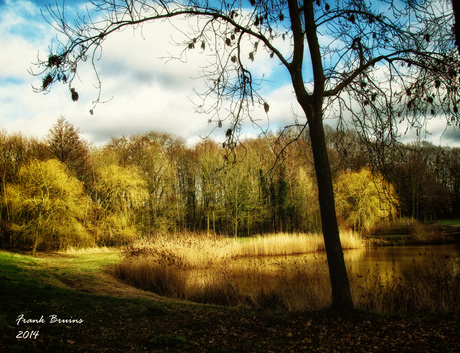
(66, 319)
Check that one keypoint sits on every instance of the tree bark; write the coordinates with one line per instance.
(312, 105)
(341, 292)
(456, 7)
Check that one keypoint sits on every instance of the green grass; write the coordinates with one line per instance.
(449, 222)
(32, 286)
(25, 289)
(81, 261)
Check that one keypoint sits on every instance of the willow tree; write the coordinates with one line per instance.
(370, 64)
(48, 207)
(364, 198)
(120, 192)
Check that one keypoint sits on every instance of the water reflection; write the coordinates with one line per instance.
(382, 279)
(401, 260)
(389, 263)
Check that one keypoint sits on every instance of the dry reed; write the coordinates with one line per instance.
(207, 269)
(91, 250)
(432, 287)
(229, 272)
(202, 251)
(293, 243)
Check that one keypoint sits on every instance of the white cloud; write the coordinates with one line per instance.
(20, 30)
(148, 92)
(436, 131)
(145, 93)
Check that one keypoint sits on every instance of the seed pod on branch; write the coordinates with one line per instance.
(47, 81)
(74, 94)
(266, 107)
(54, 60)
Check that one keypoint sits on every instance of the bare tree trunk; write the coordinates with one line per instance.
(341, 292)
(456, 7)
(34, 248)
(312, 105)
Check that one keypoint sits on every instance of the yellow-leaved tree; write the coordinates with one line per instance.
(48, 207)
(120, 192)
(364, 198)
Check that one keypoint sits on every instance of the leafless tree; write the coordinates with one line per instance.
(66, 144)
(372, 65)
(456, 7)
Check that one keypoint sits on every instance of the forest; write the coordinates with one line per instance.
(60, 191)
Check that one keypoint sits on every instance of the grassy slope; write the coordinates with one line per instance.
(136, 321)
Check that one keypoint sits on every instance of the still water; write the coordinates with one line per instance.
(401, 260)
(392, 260)
(300, 282)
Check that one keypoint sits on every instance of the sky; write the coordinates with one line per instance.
(144, 91)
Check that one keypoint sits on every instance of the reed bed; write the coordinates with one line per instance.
(432, 287)
(293, 244)
(202, 251)
(92, 250)
(189, 252)
(279, 244)
(258, 272)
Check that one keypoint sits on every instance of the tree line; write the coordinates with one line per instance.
(60, 191)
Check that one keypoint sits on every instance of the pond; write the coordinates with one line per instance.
(383, 279)
(397, 260)
(401, 260)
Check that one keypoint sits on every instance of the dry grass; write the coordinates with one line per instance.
(241, 273)
(202, 251)
(432, 287)
(282, 244)
(238, 272)
(92, 250)
(253, 282)
(185, 252)
(279, 244)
